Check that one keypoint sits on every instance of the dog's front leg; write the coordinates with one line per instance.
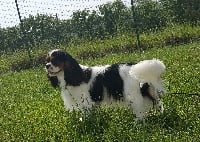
(68, 100)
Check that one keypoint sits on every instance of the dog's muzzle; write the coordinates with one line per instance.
(48, 65)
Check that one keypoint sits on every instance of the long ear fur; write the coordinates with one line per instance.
(53, 80)
(73, 73)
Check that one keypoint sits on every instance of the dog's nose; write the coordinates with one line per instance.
(48, 66)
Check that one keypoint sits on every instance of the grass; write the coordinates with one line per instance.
(126, 43)
(31, 110)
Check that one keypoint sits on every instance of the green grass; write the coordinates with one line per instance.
(173, 35)
(31, 110)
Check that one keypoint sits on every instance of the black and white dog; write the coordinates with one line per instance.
(136, 85)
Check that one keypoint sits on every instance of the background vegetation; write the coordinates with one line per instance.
(109, 20)
(31, 110)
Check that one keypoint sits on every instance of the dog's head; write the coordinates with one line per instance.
(60, 64)
(56, 62)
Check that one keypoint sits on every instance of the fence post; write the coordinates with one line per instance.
(135, 20)
(23, 31)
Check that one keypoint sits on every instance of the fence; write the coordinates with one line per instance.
(30, 22)
(59, 22)
(13, 11)
(62, 8)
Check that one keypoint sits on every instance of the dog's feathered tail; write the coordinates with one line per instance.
(149, 71)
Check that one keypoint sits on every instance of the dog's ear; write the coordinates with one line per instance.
(73, 73)
(53, 80)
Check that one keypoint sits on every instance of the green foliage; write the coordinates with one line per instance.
(114, 16)
(125, 43)
(182, 11)
(31, 110)
(10, 39)
(150, 15)
(109, 20)
(43, 28)
(18, 60)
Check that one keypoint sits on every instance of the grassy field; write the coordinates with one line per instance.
(172, 35)
(31, 110)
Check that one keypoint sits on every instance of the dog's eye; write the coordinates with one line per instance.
(55, 62)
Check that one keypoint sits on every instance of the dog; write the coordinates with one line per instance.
(138, 86)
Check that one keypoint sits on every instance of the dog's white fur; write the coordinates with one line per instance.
(78, 97)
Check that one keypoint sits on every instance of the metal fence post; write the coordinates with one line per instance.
(23, 31)
(136, 25)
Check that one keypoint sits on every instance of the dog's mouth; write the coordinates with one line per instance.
(53, 73)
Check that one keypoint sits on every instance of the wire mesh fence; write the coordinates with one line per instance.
(62, 8)
(60, 22)
(32, 22)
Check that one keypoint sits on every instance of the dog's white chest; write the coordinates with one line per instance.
(77, 97)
